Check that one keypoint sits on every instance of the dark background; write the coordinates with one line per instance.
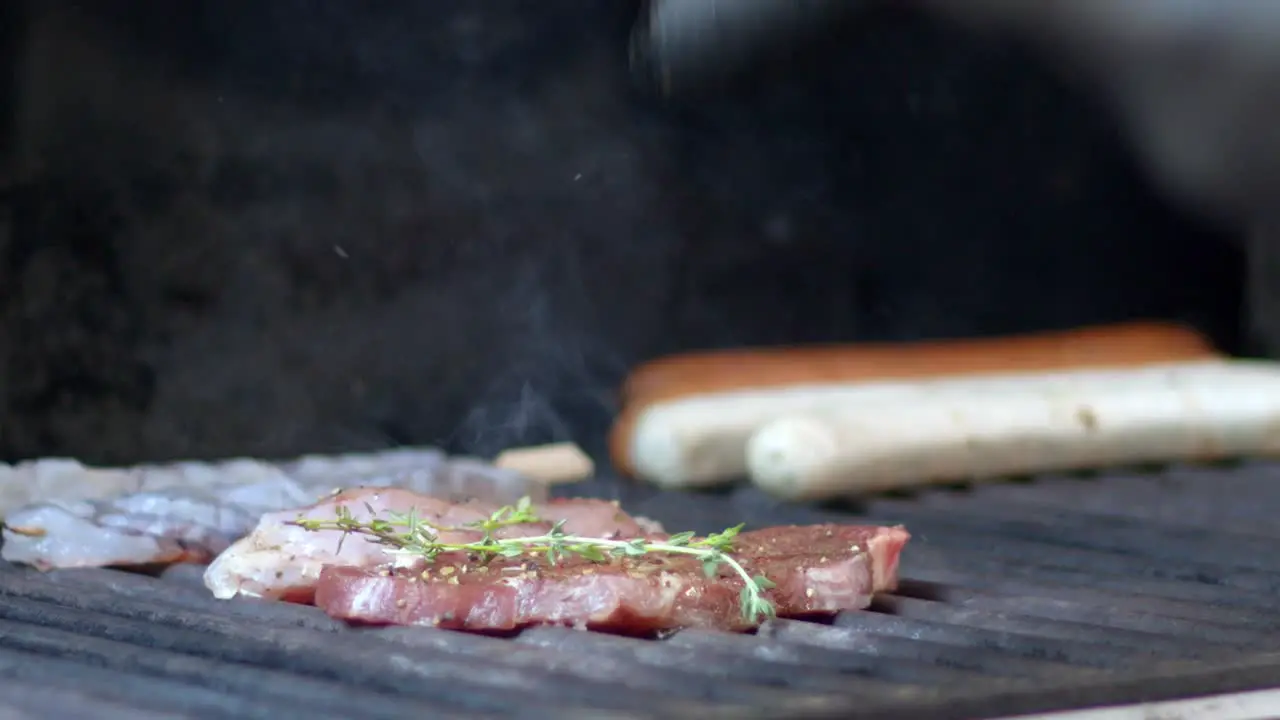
(270, 228)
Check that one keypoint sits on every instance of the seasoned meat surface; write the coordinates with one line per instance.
(816, 570)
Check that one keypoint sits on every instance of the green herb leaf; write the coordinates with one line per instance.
(590, 552)
(635, 548)
(408, 533)
(680, 538)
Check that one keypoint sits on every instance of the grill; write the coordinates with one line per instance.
(1016, 598)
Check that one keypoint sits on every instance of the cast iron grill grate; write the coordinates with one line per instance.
(1016, 598)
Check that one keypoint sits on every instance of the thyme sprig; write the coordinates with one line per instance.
(408, 534)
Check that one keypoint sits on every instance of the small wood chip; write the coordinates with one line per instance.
(552, 464)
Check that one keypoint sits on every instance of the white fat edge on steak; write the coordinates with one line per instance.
(990, 427)
(277, 557)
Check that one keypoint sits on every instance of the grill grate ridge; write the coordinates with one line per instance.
(1016, 598)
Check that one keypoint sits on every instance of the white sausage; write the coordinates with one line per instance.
(687, 417)
(974, 428)
(701, 440)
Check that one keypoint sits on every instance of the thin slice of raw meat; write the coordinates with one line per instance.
(817, 570)
(281, 560)
(67, 480)
(147, 528)
(191, 512)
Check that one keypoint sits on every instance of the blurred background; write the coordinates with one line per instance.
(274, 228)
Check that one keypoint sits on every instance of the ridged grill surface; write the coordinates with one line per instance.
(1022, 597)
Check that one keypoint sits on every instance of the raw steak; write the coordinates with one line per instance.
(283, 561)
(817, 570)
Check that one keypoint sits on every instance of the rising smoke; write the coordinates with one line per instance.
(330, 226)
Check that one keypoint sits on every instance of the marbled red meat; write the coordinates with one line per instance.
(817, 570)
